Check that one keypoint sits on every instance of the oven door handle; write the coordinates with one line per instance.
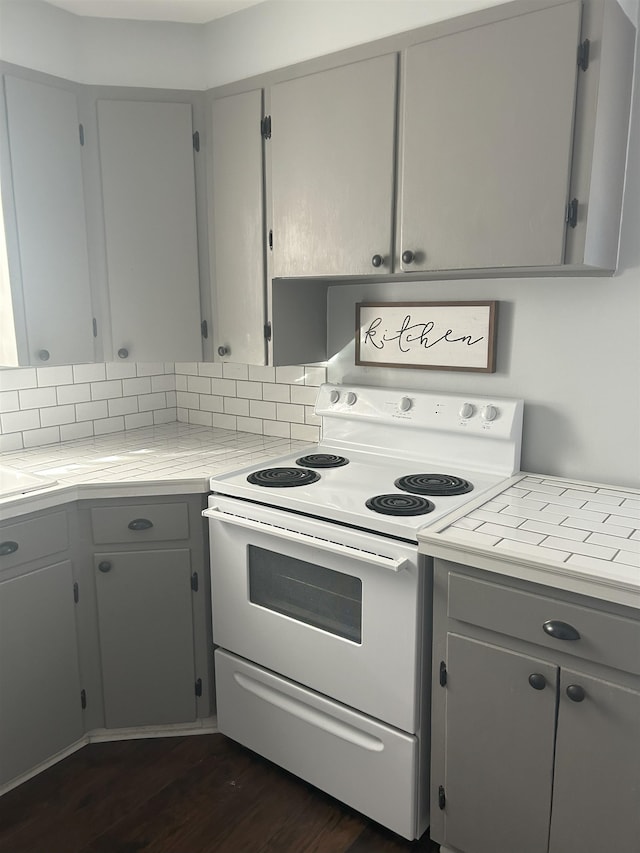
(369, 557)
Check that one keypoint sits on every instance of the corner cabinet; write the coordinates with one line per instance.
(41, 699)
(149, 206)
(152, 604)
(45, 227)
(536, 718)
(236, 227)
(332, 170)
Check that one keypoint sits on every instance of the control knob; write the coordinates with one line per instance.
(466, 410)
(334, 396)
(405, 404)
(351, 398)
(489, 413)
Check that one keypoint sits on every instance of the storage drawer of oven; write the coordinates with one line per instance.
(365, 764)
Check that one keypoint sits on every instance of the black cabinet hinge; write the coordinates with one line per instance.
(267, 330)
(583, 55)
(196, 140)
(204, 329)
(572, 213)
(442, 800)
(76, 593)
(81, 133)
(271, 239)
(265, 127)
(94, 324)
(194, 581)
(199, 687)
(443, 674)
(83, 699)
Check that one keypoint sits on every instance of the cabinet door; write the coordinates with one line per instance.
(332, 156)
(146, 637)
(52, 260)
(499, 749)
(237, 227)
(148, 186)
(487, 137)
(596, 789)
(40, 709)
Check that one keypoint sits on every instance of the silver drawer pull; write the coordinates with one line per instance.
(7, 548)
(336, 548)
(140, 524)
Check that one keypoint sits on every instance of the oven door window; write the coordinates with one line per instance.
(306, 592)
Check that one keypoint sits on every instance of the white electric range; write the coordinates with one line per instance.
(321, 602)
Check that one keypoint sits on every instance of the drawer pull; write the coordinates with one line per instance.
(537, 681)
(560, 630)
(7, 548)
(575, 692)
(104, 566)
(140, 524)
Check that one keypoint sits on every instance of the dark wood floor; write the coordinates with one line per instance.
(201, 794)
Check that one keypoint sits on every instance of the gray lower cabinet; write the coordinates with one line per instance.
(536, 735)
(45, 227)
(40, 689)
(152, 611)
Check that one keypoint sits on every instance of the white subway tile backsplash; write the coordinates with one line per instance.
(278, 428)
(235, 371)
(166, 382)
(181, 382)
(250, 390)
(223, 421)
(187, 367)
(20, 421)
(38, 437)
(276, 393)
(310, 416)
(10, 442)
(200, 418)
(304, 394)
(210, 369)
(146, 402)
(211, 403)
(36, 398)
(102, 426)
(291, 413)
(54, 375)
(140, 419)
(14, 379)
(290, 375)
(91, 411)
(56, 415)
(106, 390)
(73, 394)
(165, 416)
(9, 401)
(262, 409)
(70, 432)
(262, 374)
(89, 372)
(187, 400)
(315, 375)
(303, 432)
(199, 384)
(236, 406)
(249, 425)
(140, 385)
(120, 370)
(224, 387)
(122, 406)
(150, 368)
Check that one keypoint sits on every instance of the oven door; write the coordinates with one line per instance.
(332, 608)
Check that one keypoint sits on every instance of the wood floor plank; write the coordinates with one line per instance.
(201, 794)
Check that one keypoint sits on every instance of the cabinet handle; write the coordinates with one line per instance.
(223, 351)
(377, 261)
(104, 566)
(7, 548)
(560, 630)
(408, 257)
(537, 681)
(575, 692)
(140, 524)
(123, 352)
(44, 355)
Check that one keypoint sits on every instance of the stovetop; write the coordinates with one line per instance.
(385, 434)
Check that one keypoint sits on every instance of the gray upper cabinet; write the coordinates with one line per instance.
(148, 188)
(236, 228)
(44, 212)
(332, 170)
(487, 126)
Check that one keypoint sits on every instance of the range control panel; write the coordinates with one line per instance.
(496, 416)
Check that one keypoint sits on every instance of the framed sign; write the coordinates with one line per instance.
(428, 335)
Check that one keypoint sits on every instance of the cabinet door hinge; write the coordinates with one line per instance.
(94, 324)
(271, 239)
(571, 217)
(204, 329)
(267, 330)
(442, 800)
(194, 581)
(199, 687)
(76, 593)
(265, 127)
(196, 140)
(443, 674)
(81, 133)
(83, 699)
(583, 54)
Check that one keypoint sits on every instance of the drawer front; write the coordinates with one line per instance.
(603, 638)
(140, 523)
(365, 764)
(30, 540)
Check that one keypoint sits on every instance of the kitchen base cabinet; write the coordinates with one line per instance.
(40, 688)
(536, 731)
(153, 629)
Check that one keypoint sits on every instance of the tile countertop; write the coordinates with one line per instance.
(167, 459)
(578, 536)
